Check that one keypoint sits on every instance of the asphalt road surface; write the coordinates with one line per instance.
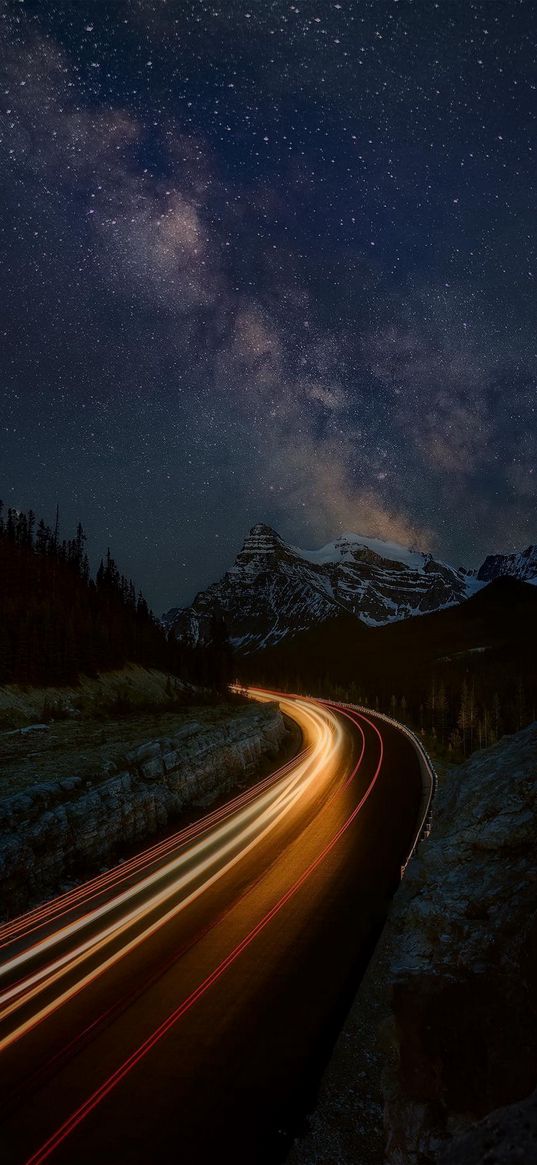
(180, 1007)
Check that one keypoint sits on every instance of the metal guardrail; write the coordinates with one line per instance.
(429, 779)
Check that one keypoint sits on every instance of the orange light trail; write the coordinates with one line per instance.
(164, 891)
(53, 1142)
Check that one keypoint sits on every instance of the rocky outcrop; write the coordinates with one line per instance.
(64, 829)
(507, 1137)
(440, 1046)
(464, 963)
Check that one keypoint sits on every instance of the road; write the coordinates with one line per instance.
(180, 1006)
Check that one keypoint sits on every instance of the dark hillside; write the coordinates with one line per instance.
(463, 675)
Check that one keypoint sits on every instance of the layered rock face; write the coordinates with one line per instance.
(463, 941)
(273, 589)
(265, 594)
(68, 828)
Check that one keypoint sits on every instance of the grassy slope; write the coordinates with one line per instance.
(133, 685)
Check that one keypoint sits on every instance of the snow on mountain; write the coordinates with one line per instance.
(345, 546)
(522, 566)
(273, 589)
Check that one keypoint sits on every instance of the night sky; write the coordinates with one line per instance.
(269, 262)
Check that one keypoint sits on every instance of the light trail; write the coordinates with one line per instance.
(258, 811)
(33, 920)
(84, 1110)
(220, 847)
(102, 974)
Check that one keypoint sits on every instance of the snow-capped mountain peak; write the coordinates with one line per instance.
(262, 543)
(351, 547)
(274, 589)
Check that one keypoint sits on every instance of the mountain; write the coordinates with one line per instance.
(274, 590)
(522, 566)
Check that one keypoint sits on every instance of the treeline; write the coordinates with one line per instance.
(57, 622)
(452, 720)
(462, 677)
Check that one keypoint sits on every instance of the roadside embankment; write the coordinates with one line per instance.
(79, 797)
(437, 1057)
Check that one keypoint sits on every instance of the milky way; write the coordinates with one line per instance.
(269, 262)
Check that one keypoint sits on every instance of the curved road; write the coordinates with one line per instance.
(178, 1007)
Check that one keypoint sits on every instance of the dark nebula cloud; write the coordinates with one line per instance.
(269, 261)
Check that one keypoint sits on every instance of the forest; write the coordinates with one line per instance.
(461, 677)
(57, 622)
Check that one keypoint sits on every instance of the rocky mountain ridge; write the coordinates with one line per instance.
(274, 589)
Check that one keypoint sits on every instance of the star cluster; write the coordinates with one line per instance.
(269, 261)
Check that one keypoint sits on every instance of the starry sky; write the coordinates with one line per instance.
(269, 261)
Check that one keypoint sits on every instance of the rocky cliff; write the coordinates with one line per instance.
(67, 828)
(439, 1053)
(464, 963)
